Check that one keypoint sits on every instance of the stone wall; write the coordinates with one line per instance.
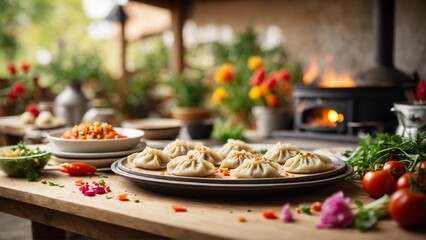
(343, 28)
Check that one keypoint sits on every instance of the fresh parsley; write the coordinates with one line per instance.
(305, 208)
(373, 152)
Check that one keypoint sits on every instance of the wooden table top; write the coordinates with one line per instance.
(102, 218)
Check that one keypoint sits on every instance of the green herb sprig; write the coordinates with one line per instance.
(374, 152)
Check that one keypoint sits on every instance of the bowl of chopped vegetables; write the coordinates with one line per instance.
(94, 137)
(24, 160)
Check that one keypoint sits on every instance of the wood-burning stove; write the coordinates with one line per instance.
(345, 110)
(349, 111)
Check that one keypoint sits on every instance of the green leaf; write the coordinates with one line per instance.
(305, 208)
(358, 203)
(366, 220)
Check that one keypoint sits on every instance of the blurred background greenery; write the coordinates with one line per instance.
(53, 37)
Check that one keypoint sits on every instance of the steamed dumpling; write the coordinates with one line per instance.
(233, 144)
(207, 154)
(149, 158)
(258, 167)
(308, 163)
(44, 118)
(178, 148)
(27, 118)
(235, 158)
(280, 152)
(190, 166)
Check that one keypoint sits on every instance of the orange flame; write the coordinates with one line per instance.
(324, 117)
(329, 78)
(312, 73)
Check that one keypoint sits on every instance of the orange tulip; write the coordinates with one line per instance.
(272, 100)
(225, 73)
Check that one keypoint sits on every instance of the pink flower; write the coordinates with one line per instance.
(286, 214)
(336, 212)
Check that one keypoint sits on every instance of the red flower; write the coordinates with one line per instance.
(12, 69)
(32, 108)
(272, 101)
(25, 66)
(283, 75)
(271, 82)
(421, 91)
(18, 88)
(11, 96)
(258, 77)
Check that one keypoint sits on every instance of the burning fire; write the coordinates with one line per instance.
(328, 78)
(324, 117)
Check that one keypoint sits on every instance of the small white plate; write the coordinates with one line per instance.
(104, 162)
(60, 154)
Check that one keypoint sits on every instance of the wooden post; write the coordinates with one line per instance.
(178, 20)
(123, 90)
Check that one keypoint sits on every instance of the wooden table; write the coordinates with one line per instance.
(11, 130)
(152, 217)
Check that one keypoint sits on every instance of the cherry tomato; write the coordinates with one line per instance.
(78, 169)
(378, 183)
(316, 206)
(396, 168)
(404, 180)
(405, 207)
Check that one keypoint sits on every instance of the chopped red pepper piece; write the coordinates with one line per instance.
(242, 219)
(269, 214)
(123, 197)
(79, 182)
(316, 206)
(178, 208)
(78, 169)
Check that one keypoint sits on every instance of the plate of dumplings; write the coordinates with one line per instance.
(184, 167)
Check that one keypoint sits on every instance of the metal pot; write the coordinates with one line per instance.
(411, 118)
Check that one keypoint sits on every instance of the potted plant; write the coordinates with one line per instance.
(190, 91)
(271, 94)
(412, 114)
(68, 71)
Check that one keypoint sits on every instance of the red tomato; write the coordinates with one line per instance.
(78, 169)
(378, 183)
(405, 207)
(396, 168)
(316, 206)
(404, 180)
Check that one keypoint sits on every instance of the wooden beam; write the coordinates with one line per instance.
(168, 4)
(123, 88)
(179, 14)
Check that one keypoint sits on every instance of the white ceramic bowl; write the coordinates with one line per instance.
(133, 137)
